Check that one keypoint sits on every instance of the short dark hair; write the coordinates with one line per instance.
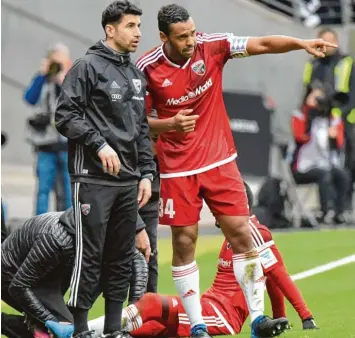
(170, 14)
(250, 195)
(115, 11)
(326, 30)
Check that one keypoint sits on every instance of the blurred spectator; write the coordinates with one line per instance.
(337, 71)
(319, 140)
(49, 145)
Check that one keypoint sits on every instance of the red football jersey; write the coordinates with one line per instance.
(195, 85)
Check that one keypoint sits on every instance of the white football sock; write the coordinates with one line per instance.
(131, 319)
(187, 283)
(249, 274)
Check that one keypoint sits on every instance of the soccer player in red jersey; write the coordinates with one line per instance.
(224, 308)
(196, 150)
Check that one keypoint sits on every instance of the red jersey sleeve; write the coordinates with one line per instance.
(281, 279)
(224, 46)
(264, 243)
(277, 299)
(298, 126)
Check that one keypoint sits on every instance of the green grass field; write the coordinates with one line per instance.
(330, 295)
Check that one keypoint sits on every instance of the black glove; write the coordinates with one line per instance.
(309, 324)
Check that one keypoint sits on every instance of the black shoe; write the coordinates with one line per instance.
(339, 219)
(117, 334)
(85, 334)
(309, 324)
(265, 327)
(200, 333)
(321, 219)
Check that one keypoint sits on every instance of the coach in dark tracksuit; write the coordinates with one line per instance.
(101, 112)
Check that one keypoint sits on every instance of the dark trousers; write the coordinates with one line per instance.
(50, 292)
(350, 191)
(105, 219)
(332, 186)
(150, 216)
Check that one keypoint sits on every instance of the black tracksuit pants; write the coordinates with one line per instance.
(105, 218)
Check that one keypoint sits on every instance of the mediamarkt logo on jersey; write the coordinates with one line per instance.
(198, 91)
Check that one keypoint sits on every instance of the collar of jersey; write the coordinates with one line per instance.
(172, 63)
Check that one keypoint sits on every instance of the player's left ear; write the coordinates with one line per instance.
(163, 37)
(110, 31)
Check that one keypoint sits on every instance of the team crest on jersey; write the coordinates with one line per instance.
(199, 67)
(137, 85)
(85, 209)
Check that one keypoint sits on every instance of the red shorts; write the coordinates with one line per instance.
(222, 188)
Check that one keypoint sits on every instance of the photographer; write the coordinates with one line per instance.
(50, 146)
(338, 69)
(319, 141)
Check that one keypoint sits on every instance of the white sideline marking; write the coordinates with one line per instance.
(98, 323)
(324, 268)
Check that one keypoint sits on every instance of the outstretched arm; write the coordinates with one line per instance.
(275, 44)
(280, 278)
(276, 298)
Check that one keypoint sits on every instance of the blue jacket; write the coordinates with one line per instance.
(34, 90)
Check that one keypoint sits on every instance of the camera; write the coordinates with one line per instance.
(327, 100)
(3, 138)
(324, 105)
(54, 69)
(40, 121)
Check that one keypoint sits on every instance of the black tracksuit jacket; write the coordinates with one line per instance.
(102, 101)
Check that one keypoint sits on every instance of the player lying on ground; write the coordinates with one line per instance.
(196, 150)
(36, 267)
(224, 308)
